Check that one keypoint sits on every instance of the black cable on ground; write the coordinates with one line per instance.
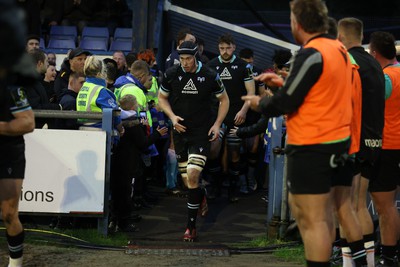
(267, 249)
(67, 240)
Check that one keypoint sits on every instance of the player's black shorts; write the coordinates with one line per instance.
(388, 177)
(367, 169)
(186, 144)
(314, 169)
(12, 161)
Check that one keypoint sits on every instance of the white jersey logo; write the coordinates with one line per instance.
(225, 74)
(190, 88)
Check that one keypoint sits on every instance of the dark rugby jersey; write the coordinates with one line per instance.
(373, 103)
(234, 74)
(12, 100)
(190, 95)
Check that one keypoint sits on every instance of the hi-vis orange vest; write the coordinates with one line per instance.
(391, 130)
(356, 98)
(325, 114)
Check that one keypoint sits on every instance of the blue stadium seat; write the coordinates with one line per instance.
(41, 43)
(93, 45)
(95, 32)
(61, 44)
(123, 33)
(63, 32)
(123, 45)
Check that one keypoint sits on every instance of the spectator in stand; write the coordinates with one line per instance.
(119, 57)
(52, 13)
(32, 43)
(95, 97)
(73, 63)
(78, 13)
(127, 165)
(31, 9)
(111, 71)
(108, 14)
(130, 58)
(149, 57)
(184, 34)
(48, 82)
(52, 58)
(36, 94)
(280, 65)
(68, 100)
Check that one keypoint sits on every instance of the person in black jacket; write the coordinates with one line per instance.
(68, 100)
(36, 93)
(73, 63)
(127, 166)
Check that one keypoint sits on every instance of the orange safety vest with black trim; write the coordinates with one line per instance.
(391, 130)
(356, 98)
(325, 114)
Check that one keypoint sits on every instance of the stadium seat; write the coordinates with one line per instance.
(63, 32)
(101, 32)
(61, 44)
(41, 43)
(123, 45)
(123, 33)
(93, 45)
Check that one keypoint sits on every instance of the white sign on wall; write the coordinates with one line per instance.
(65, 171)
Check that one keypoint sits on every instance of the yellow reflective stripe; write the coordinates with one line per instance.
(92, 94)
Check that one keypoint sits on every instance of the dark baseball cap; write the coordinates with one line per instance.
(77, 52)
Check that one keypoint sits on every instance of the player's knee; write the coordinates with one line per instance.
(196, 162)
(9, 216)
(182, 167)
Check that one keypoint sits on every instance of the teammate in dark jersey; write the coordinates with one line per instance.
(16, 119)
(372, 120)
(251, 144)
(384, 188)
(238, 79)
(185, 97)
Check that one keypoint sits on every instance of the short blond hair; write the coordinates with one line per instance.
(127, 102)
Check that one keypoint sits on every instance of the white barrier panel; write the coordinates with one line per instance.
(65, 172)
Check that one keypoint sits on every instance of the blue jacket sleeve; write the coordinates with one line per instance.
(106, 99)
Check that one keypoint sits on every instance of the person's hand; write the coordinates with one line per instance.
(233, 131)
(213, 133)
(177, 126)
(163, 131)
(283, 73)
(144, 121)
(252, 101)
(240, 117)
(270, 79)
